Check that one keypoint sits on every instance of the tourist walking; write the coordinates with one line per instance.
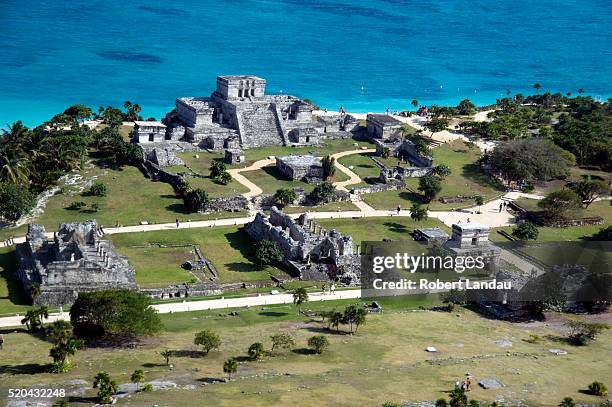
(399, 208)
(323, 287)
(177, 223)
(332, 289)
(1, 342)
(501, 205)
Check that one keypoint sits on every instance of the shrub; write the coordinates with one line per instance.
(285, 196)
(442, 170)
(98, 188)
(282, 340)
(533, 339)
(224, 178)
(329, 166)
(525, 231)
(556, 204)
(598, 389)
(319, 343)
(76, 206)
(430, 186)
(147, 387)
(217, 168)
(208, 340)
(183, 187)
(581, 332)
(323, 193)
(256, 351)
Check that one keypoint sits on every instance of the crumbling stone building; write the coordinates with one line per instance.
(310, 251)
(383, 126)
(239, 108)
(300, 167)
(75, 260)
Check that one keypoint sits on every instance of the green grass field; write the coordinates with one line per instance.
(550, 234)
(384, 361)
(466, 179)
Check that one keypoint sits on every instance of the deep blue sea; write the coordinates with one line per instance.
(366, 55)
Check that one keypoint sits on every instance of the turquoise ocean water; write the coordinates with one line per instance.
(366, 55)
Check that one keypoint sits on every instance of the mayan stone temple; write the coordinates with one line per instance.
(240, 109)
(75, 260)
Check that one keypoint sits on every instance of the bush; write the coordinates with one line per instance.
(256, 351)
(97, 189)
(323, 193)
(147, 387)
(454, 296)
(183, 187)
(533, 339)
(128, 154)
(556, 204)
(319, 343)
(224, 178)
(329, 166)
(581, 332)
(216, 169)
(208, 340)
(525, 231)
(285, 196)
(598, 389)
(282, 340)
(430, 186)
(268, 252)
(442, 170)
(114, 313)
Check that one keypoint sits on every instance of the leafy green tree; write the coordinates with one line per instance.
(300, 296)
(208, 340)
(466, 107)
(167, 354)
(128, 154)
(33, 318)
(282, 340)
(590, 189)
(65, 344)
(106, 387)
(268, 252)
(557, 203)
(183, 187)
(324, 192)
(441, 403)
(436, 124)
(256, 351)
(582, 332)
(386, 152)
(79, 112)
(15, 166)
(604, 234)
(442, 170)
(479, 200)
(196, 200)
(217, 168)
(114, 313)
(526, 231)
(458, 398)
(528, 160)
(418, 212)
(111, 116)
(137, 377)
(454, 296)
(98, 188)
(15, 201)
(285, 196)
(224, 178)
(329, 166)
(230, 367)
(430, 186)
(318, 343)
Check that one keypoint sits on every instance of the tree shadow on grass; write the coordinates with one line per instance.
(189, 353)
(474, 173)
(273, 314)
(275, 173)
(84, 400)
(396, 227)
(412, 197)
(177, 208)
(8, 266)
(150, 365)
(304, 351)
(325, 330)
(28, 368)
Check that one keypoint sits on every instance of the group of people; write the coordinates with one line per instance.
(466, 384)
(332, 289)
(503, 206)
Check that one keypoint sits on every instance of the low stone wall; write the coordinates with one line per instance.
(563, 223)
(391, 185)
(202, 289)
(456, 199)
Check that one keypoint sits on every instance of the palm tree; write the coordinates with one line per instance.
(107, 387)
(65, 345)
(167, 354)
(300, 296)
(137, 378)
(16, 132)
(14, 164)
(335, 319)
(35, 291)
(230, 366)
(33, 318)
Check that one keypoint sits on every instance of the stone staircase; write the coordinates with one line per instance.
(259, 126)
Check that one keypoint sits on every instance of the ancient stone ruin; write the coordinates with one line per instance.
(148, 132)
(240, 108)
(306, 168)
(75, 260)
(310, 252)
(382, 126)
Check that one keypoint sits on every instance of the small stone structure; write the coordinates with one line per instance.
(304, 136)
(234, 156)
(149, 132)
(309, 251)
(300, 167)
(382, 126)
(472, 239)
(240, 109)
(420, 165)
(163, 156)
(434, 235)
(76, 260)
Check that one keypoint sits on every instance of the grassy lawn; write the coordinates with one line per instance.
(550, 234)
(385, 360)
(372, 229)
(230, 249)
(466, 179)
(328, 207)
(269, 179)
(131, 198)
(11, 298)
